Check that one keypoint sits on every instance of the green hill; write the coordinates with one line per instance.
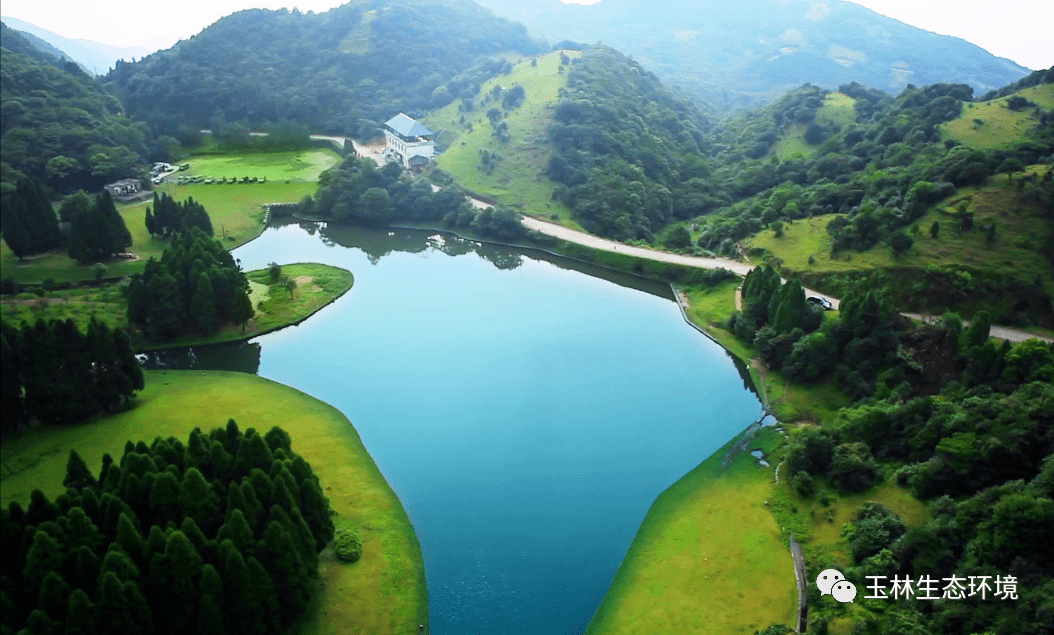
(995, 124)
(509, 171)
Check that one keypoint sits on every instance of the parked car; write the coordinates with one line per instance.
(823, 302)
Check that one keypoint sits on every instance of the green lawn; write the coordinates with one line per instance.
(383, 593)
(289, 165)
(1020, 231)
(708, 558)
(1000, 127)
(517, 177)
(234, 209)
(317, 286)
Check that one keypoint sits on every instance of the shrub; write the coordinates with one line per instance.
(274, 270)
(347, 545)
(804, 485)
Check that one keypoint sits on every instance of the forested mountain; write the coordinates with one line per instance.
(95, 58)
(38, 49)
(747, 53)
(58, 125)
(340, 72)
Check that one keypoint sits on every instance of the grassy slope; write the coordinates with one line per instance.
(234, 209)
(837, 109)
(278, 309)
(1020, 227)
(1002, 127)
(291, 165)
(517, 178)
(382, 593)
(708, 558)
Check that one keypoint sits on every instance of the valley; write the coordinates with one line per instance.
(642, 327)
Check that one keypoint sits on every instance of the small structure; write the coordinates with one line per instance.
(408, 141)
(124, 187)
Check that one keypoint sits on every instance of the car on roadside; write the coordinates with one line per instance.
(821, 302)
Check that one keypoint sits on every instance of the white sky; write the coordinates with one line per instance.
(1021, 30)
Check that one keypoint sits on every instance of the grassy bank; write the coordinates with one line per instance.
(276, 307)
(991, 125)
(708, 558)
(382, 593)
(234, 209)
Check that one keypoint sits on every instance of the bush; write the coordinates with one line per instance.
(347, 545)
(804, 485)
(274, 271)
(852, 468)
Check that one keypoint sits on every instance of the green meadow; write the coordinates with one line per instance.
(289, 165)
(383, 593)
(991, 125)
(276, 306)
(708, 558)
(838, 110)
(517, 178)
(234, 209)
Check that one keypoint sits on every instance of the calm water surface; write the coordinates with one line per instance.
(527, 414)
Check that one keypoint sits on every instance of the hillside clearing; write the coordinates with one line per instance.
(992, 125)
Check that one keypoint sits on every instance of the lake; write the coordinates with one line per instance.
(526, 409)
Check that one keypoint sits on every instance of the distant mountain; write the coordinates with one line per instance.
(34, 47)
(343, 71)
(95, 57)
(751, 51)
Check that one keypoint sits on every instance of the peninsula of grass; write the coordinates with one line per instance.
(277, 306)
(708, 558)
(383, 593)
(234, 209)
(516, 179)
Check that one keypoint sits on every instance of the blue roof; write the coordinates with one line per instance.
(405, 126)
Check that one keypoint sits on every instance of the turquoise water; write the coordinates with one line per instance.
(527, 414)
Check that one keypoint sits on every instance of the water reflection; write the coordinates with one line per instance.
(243, 357)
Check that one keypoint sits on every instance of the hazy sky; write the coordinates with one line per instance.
(1020, 30)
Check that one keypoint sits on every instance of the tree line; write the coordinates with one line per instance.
(196, 287)
(357, 190)
(220, 534)
(169, 216)
(55, 374)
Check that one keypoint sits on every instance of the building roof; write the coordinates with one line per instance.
(405, 126)
(123, 182)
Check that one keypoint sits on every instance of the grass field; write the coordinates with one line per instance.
(290, 165)
(1000, 127)
(234, 209)
(383, 593)
(317, 286)
(516, 179)
(1020, 231)
(708, 558)
(838, 110)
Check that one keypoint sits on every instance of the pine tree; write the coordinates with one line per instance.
(265, 593)
(16, 236)
(85, 569)
(240, 604)
(40, 624)
(54, 596)
(175, 575)
(210, 613)
(80, 614)
(253, 453)
(80, 530)
(164, 498)
(203, 306)
(197, 500)
(279, 555)
(237, 530)
(77, 473)
(44, 556)
(129, 539)
(241, 308)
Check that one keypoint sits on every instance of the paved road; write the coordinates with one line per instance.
(589, 240)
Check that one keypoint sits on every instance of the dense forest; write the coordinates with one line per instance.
(196, 287)
(59, 126)
(340, 72)
(54, 374)
(220, 534)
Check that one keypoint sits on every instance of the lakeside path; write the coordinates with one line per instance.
(595, 242)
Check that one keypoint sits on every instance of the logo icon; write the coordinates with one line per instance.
(832, 582)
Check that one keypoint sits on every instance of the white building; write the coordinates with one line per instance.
(408, 141)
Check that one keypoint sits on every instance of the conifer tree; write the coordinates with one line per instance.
(265, 593)
(210, 613)
(80, 615)
(197, 500)
(54, 596)
(129, 539)
(99, 232)
(80, 530)
(44, 556)
(119, 563)
(175, 575)
(85, 569)
(164, 498)
(237, 530)
(203, 306)
(77, 473)
(279, 555)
